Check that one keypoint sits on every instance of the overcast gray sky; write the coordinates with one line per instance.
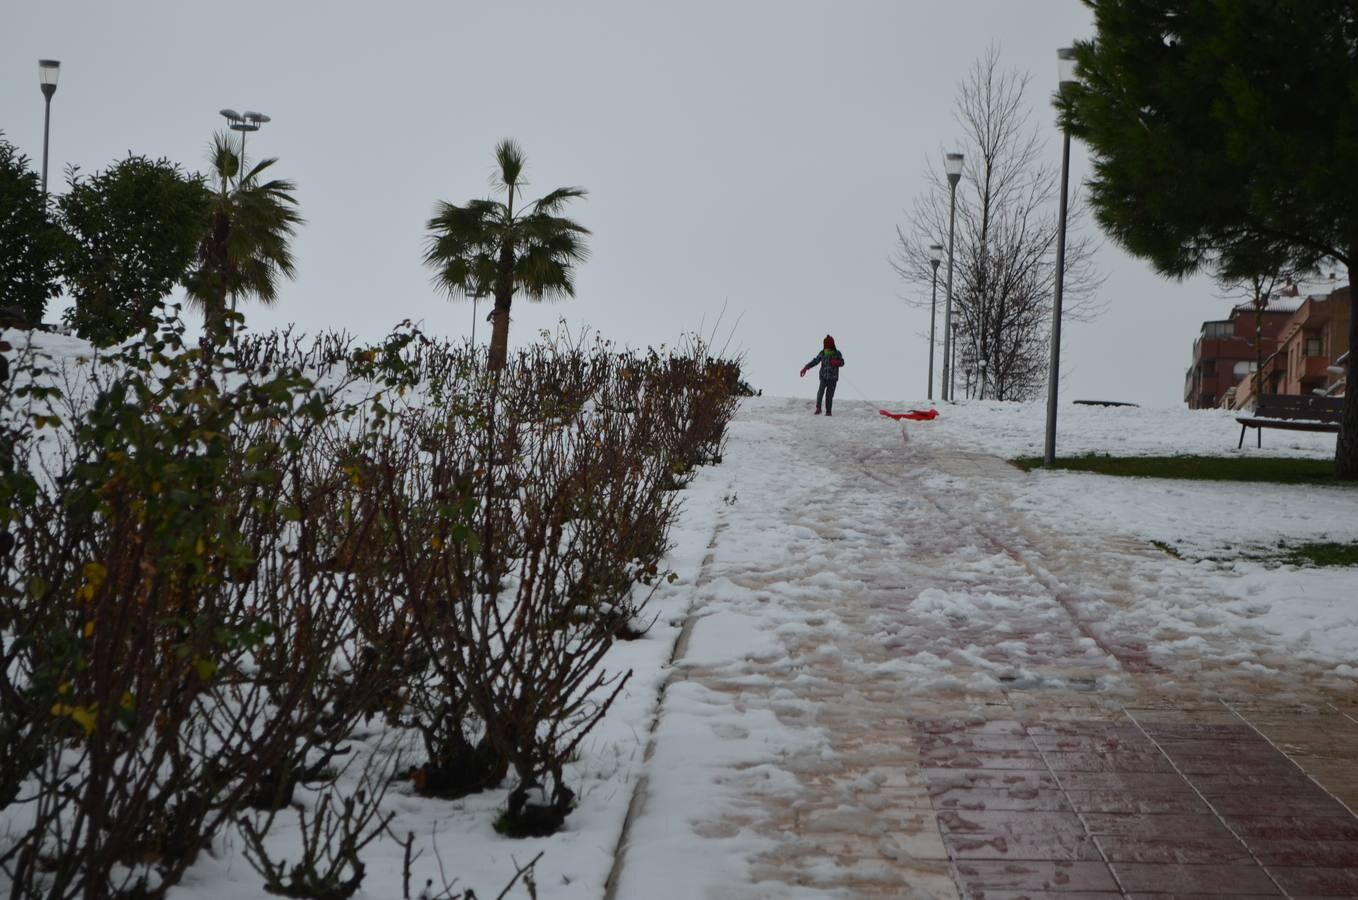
(751, 155)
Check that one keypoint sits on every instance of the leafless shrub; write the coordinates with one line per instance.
(171, 644)
(332, 836)
(218, 571)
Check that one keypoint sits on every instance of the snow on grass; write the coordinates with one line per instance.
(1012, 430)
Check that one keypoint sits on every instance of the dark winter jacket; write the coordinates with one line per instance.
(829, 362)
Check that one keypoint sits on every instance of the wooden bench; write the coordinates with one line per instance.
(1297, 412)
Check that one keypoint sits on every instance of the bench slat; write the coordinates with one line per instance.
(1299, 406)
(1289, 424)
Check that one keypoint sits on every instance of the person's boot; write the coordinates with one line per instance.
(817, 410)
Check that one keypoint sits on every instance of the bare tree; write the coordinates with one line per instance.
(1005, 252)
(1273, 279)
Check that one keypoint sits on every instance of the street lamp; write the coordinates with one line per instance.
(48, 72)
(935, 257)
(243, 122)
(952, 369)
(1065, 63)
(952, 164)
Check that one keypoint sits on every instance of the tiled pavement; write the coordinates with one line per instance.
(1056, 801)
(1062, 756)
(1210, 784)
(1134, 806)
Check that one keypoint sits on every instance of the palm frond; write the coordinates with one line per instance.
(544, 275)
(223, 159)
(562, 236)
(509, 161)
(553, 202)
(463, 244)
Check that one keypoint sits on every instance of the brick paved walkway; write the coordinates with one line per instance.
(1060, 757)
(1138, 805)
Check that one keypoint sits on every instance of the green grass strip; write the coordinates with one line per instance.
(1275, 469)
(1322, 554)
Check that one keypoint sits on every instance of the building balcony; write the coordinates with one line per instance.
(1314, 367)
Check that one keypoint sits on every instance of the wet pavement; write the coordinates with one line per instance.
(1045, 750)
(1133, 806)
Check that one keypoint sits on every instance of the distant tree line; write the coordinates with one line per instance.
(120, 240)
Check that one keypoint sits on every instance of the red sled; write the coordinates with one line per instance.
(914, 415)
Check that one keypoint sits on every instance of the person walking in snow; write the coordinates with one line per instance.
(829, 359)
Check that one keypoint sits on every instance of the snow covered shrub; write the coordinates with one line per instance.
(584, 496)
(330, 838)
(172, 639)
(224, 562)
(622, 529)
(686, 398)
(529, 666)
(508, 607)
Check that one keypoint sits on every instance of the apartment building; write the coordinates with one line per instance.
(1224, 351)
(1310, 346)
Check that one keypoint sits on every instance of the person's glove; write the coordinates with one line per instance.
(803, 372)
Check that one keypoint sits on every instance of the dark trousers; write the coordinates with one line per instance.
(826, 390)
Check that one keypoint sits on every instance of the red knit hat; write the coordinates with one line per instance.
(829, 342)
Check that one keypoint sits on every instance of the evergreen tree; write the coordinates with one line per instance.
(133, 233)
(29, 241)
(1224, 136)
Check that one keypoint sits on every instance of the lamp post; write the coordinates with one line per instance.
(1065, 61)
(935, 257)
(243, 122)
(48, 72)
(952, 369)
(952, 164)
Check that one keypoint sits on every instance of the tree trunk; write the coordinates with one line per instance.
(504, 296)
(218, 262)
(1346, 450)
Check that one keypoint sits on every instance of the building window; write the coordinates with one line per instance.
(1217, 330)
(1209, 367)
(1312, 347)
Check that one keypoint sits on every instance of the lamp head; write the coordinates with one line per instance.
(952, 164)
(1065, 68)
(935, 255)
(49, 70)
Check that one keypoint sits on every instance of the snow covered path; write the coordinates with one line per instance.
(883, 624)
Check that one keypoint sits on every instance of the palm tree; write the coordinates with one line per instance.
(246, 246)
(492, 244)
